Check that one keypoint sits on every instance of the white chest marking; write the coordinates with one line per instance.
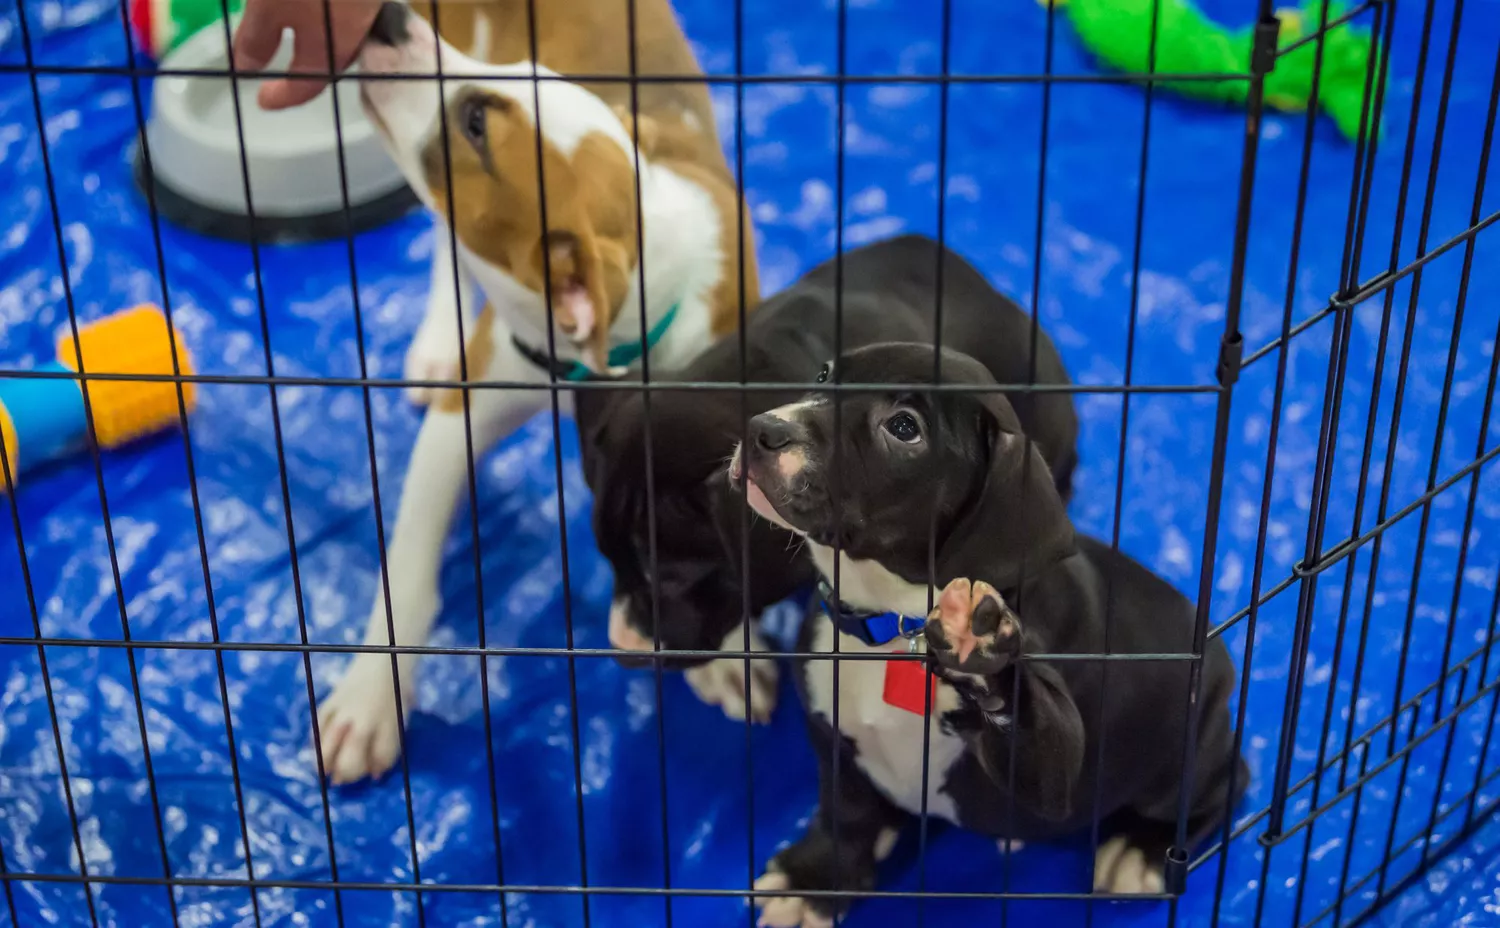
(887, 739)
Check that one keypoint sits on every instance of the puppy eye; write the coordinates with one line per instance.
(475, 120)
(903, 426)
(825, 372)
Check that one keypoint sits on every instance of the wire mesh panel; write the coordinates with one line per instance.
(1283, 371)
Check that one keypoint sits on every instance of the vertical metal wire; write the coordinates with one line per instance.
(88, 411)
(460, 292)
(187, 444)
(280, 444)
(835, 484)
(753, 865)
(1483, 430)
(650, 462)
(1384, 501)
(1416, 285)
(1309, 128)
(1317, 515)
(1230, 347)
(1122, 451)
(1458, 321)
(1437, 442)
(557, 456)
(1489, 728)
(9, 484)
(1349, 276)
(941, 259)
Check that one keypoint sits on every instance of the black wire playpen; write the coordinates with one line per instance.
(1330, 517)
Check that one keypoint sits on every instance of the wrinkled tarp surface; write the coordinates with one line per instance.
(277, 555)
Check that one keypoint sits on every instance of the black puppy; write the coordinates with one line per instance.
(1013, 742)
(888, 294)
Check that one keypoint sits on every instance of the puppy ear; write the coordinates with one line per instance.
(641, 127)
(778, 566)
(593, 410)
(1016, 522)
(1050, 736)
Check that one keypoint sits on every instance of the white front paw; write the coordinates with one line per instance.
(785, 911)
(358, 726)
(1122, 867)
(722, 682)
(433, 355)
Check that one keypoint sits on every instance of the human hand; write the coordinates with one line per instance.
(259, 35)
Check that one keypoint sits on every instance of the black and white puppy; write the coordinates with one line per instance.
(888, 294)
(1013, 743)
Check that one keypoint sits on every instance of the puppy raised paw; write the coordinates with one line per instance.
(1124, 867)
(787, 911)
(971, 629)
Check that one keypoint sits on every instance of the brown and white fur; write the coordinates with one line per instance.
(471, 152)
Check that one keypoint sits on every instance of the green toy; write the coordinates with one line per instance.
(1118, 32)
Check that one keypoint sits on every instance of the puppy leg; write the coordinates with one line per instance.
(1132, 861)
(1022, 719)
(722, 682)
(853, 829)
(434, 350)
(358, 724)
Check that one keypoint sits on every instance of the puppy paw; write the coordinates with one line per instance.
(1126, 868)
(433, 355)
(357, 725)
(787, 911)
(971, 629)
(722, 683)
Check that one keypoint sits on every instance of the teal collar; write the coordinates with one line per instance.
(619, 356)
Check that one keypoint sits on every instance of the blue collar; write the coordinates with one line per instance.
(619, 356)
(873, 628)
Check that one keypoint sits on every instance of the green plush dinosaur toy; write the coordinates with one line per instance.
(1118, 32)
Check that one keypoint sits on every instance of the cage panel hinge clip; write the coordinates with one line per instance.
(1175, 871)
(1263, 48)
(1231, 352)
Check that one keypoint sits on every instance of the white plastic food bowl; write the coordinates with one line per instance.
(293, 155)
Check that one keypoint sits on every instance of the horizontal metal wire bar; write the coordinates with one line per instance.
(1405, 749)
(1328, 27)
(1377, 284)
(490, 888)
(1411, 703)
(1349, 545)
(937, 79)
(631, 386)
(465, 651)
(1408, 844)
(1244, 612)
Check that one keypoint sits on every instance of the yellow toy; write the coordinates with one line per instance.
(42, 419)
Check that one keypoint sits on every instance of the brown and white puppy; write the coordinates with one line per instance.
(1014, 744)
(539, 180)
(690, 590)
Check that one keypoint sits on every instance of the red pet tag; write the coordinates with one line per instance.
(904, 685)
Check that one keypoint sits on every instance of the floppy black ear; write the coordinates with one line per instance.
(1050, 736)
(1015, 523)
(777, 564)
(592, 410)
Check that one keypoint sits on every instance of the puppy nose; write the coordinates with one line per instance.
(389, 27)
(771, 433)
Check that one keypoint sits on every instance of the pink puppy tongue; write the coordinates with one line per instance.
(575, 302)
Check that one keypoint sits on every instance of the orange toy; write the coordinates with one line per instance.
(43, 418)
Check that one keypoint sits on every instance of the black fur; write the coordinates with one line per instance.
(999, 519)
(888, 294)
